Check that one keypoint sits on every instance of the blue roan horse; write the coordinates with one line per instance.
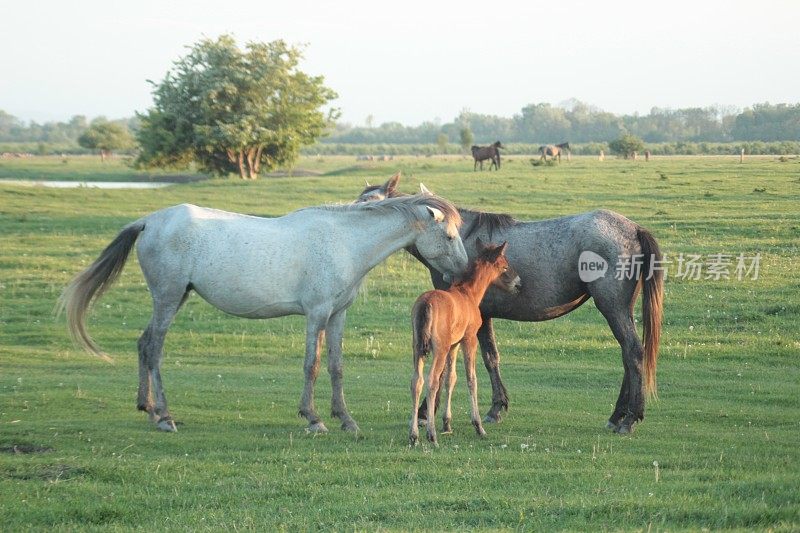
(546, 254)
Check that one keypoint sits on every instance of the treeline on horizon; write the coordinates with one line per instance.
(762, 129)
(578, 122)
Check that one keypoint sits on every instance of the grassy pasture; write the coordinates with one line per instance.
(74, 453)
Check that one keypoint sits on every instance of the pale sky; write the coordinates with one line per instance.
(411, 61)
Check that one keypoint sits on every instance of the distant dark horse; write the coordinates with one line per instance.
(548, 256)
(554, 151)
(482, 153)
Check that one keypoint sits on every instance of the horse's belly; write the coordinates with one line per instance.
(249, 303)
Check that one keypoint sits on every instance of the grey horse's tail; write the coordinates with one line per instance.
(90, 284)
(422, 325)
(652, 307)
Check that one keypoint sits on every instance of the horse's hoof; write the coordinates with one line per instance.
(350, 426)
(624, 429)
(489, 419)
(167, 424)
(413, 440)
(433, 440)
(422, 422)
(317, 427)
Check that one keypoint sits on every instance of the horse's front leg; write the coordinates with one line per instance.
(334, 332)
(491, 359)
(315, 332)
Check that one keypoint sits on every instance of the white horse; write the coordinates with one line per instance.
(310, 262)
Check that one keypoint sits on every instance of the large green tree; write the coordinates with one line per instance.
(106, 137)
(234, 111)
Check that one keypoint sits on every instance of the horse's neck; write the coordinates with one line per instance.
(476, 285)
(377, 235)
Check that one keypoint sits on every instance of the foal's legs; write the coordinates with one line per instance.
(491, 360)
(333, 333)
(315, 332)
(416, 390)
(151, 352)
(439, 359)
(470, 345)
(450, 376)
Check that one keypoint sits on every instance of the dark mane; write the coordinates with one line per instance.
(491, 222)
(370, 188)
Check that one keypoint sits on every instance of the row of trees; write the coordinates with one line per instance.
(580, 123)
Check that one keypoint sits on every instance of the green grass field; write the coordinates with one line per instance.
(76, 455)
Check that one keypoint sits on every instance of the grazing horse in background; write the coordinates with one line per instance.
(444, 319)
(547, 254)
(482, 153)
(554, 151)
(310, 262)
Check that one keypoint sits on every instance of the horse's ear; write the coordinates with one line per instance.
(502, 248)
(437, 215)
(391, 183)
(424, 190)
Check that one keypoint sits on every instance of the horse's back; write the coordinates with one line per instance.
(451, 314)
(546, 254)
(244, 265)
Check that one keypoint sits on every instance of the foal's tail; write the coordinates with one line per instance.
(422, 324)
(652, 307)
(90, 284)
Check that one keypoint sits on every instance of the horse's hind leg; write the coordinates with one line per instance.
(470, 346)
(629, 408)
(151, 352)
(438, 361)
(334, 332)
(450, 378)
(416, 390)
(619, 408)
(491, 359)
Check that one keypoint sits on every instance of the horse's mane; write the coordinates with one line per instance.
(405, 205)
(491, 222)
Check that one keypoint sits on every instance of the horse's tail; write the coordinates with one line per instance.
(422, 324)
(652, 307)
(90, 284)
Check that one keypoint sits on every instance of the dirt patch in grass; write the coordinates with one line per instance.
(24, 449)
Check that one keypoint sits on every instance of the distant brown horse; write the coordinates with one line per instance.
(482, 153)
(554, 151)
(444, 319)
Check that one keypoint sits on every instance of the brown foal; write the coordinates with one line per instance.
(441, 320)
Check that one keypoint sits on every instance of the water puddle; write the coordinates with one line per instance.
(87, 184)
